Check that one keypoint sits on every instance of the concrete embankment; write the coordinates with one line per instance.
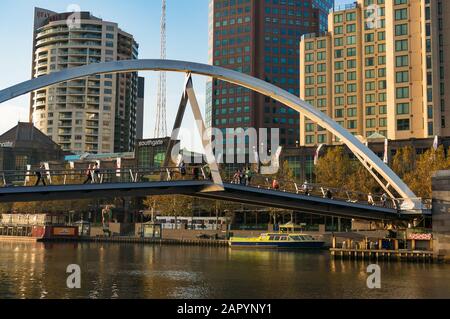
(144, 241)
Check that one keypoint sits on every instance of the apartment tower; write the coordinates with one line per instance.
(379, 70)
(96, 114)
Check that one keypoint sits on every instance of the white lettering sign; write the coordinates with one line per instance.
(151, 143)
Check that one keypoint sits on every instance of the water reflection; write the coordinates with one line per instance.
(133, 271)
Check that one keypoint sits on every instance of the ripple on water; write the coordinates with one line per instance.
(188, 273)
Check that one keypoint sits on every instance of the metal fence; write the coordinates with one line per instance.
(191, 172)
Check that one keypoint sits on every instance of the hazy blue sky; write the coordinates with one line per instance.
(187, 39)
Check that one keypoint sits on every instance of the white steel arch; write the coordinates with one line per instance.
(369, 159)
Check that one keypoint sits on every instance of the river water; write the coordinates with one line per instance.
(37, 270)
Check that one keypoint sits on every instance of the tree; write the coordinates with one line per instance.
(403, 161)
(286, 177)
(52, 206)
(335, 168)
(170, 205)
(6, 207)
(362, 181)
(419, 179)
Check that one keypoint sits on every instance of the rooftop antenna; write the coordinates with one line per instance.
(161, 123)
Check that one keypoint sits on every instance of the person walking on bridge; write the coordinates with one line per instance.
(96, 173)
(196, 173)
(182, 168)
(248, 176)
(275, 184)
(306, 189)
(236, 178)
(384, 199)
(89, 178)
(39, 176)
(370, 200)
(329, 194)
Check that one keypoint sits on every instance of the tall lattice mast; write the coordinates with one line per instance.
(161, 123)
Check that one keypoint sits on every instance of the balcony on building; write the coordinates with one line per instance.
(54, 30)
(77, 83)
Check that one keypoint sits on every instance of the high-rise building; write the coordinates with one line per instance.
(380, 69)
(140, 109)
(324, 7)
(96, 114)
(260, 38)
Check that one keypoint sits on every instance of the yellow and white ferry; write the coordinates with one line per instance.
(277, 240)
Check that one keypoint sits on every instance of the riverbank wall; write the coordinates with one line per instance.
(143, 241)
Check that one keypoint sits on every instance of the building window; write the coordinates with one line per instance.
(351, 125)
(370, 110)
(310, 139)
(370, 123)
(401, 14)
(402, 77)
(352, 112)
(402, 61)
(401, 29)
(403, 125)
(401, 45)
(339, 113)
(402, 93)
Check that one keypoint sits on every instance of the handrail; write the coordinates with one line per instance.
(170, 173)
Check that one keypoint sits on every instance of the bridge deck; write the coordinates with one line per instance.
(205, 189)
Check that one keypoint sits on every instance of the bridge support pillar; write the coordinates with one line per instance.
(441, 215)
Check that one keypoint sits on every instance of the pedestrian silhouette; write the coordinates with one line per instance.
(88, 175)
(39, 176)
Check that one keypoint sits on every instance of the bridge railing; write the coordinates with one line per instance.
(317, 190)
(191, 172)
(94, 176)
(78, 176)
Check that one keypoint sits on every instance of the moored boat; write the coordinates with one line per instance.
(277, 241)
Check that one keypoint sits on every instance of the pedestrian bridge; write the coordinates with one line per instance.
(392, 185)
(251, 195)
(384, 175)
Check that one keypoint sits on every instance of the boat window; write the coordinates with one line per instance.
(309, 238)
(272, 238)
(295, 238)
(276, 238)
(284, 238)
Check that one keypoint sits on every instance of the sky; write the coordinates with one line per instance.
(187, 39)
